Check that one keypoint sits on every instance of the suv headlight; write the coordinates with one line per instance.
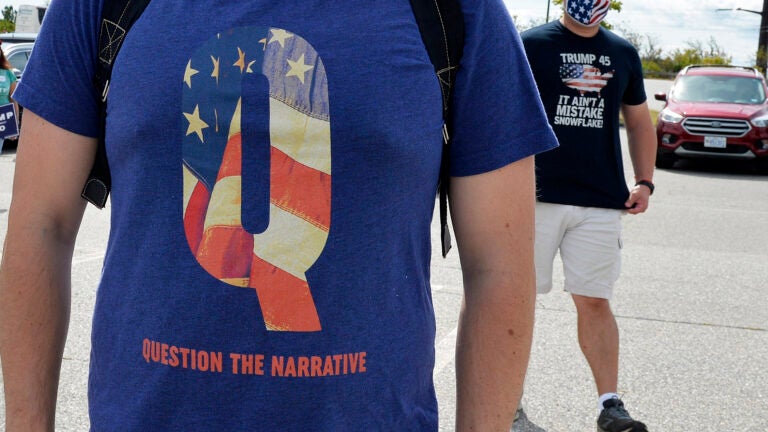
(761, 121)
(669, 116)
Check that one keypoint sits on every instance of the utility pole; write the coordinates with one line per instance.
(549, 1)
(762, 41)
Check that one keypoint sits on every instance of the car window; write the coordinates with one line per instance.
(18, 60)
(713, 88)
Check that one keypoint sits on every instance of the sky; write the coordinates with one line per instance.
(671, 23)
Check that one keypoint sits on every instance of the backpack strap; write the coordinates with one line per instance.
(117, 17)
(441, 24)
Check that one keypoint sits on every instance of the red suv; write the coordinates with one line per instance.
(714, 112)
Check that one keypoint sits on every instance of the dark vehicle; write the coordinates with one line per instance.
(714, 112)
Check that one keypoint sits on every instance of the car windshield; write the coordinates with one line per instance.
(712, 88)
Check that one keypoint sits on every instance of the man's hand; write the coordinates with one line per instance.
(638, 201)
(641, 137)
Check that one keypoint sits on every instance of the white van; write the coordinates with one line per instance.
(29, 18)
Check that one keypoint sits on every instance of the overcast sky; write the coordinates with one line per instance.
(670, 23)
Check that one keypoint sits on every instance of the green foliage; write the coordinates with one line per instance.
(653, 69)
(8, 23)
(9, 14)
(695, 52)
(7, 27)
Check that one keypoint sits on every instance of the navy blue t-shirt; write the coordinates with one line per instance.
(583, 82)
(274, 170)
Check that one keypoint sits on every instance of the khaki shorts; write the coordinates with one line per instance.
(589, 242)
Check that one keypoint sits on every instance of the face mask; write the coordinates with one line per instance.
(588, 13)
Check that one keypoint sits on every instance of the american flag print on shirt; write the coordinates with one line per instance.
(584, 78)
(588, 12)
(219, 107)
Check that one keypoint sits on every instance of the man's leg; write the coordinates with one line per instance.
(599, 341)
(591, 252)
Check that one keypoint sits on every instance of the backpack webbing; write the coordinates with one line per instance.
(117, 17)
(441, 25)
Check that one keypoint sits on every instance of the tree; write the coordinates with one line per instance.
(8, 23)
(696, 52)
(9, 14)
(651, 51)
(636, 39)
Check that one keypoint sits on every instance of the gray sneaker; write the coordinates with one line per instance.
(615, 418)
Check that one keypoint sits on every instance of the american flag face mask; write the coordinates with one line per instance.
(588, 13)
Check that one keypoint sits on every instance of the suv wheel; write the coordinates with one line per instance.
(762, 165)
(665, 160)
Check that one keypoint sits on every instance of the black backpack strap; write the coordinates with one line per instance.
(441, 24)
(117, 17)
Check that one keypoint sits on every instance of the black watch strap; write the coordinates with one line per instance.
(646, 183)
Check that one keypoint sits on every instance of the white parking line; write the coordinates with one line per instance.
(445, 352)
(87, 258)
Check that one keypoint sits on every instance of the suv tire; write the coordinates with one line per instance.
(665, 160)
(762, 165)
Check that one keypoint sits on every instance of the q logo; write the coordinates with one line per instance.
(257, 167)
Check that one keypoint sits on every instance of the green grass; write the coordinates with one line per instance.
(654, 117)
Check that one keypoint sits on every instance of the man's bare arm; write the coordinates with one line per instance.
(493, 218)
(641, 137)
(46, 209)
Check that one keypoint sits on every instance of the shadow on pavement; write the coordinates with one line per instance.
(523, 424)
(718, 168)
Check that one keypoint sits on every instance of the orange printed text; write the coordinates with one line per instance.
(247, 364)
(318, 366)
(180, 357)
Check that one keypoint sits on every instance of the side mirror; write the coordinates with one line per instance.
(17, 73)
(661, 96)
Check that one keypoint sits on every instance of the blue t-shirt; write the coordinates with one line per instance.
(583, 82)
(274, 170)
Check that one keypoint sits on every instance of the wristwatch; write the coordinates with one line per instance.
(646, 183)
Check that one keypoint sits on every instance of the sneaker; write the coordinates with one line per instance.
(615, 418)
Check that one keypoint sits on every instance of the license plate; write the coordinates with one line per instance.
(714, 142)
